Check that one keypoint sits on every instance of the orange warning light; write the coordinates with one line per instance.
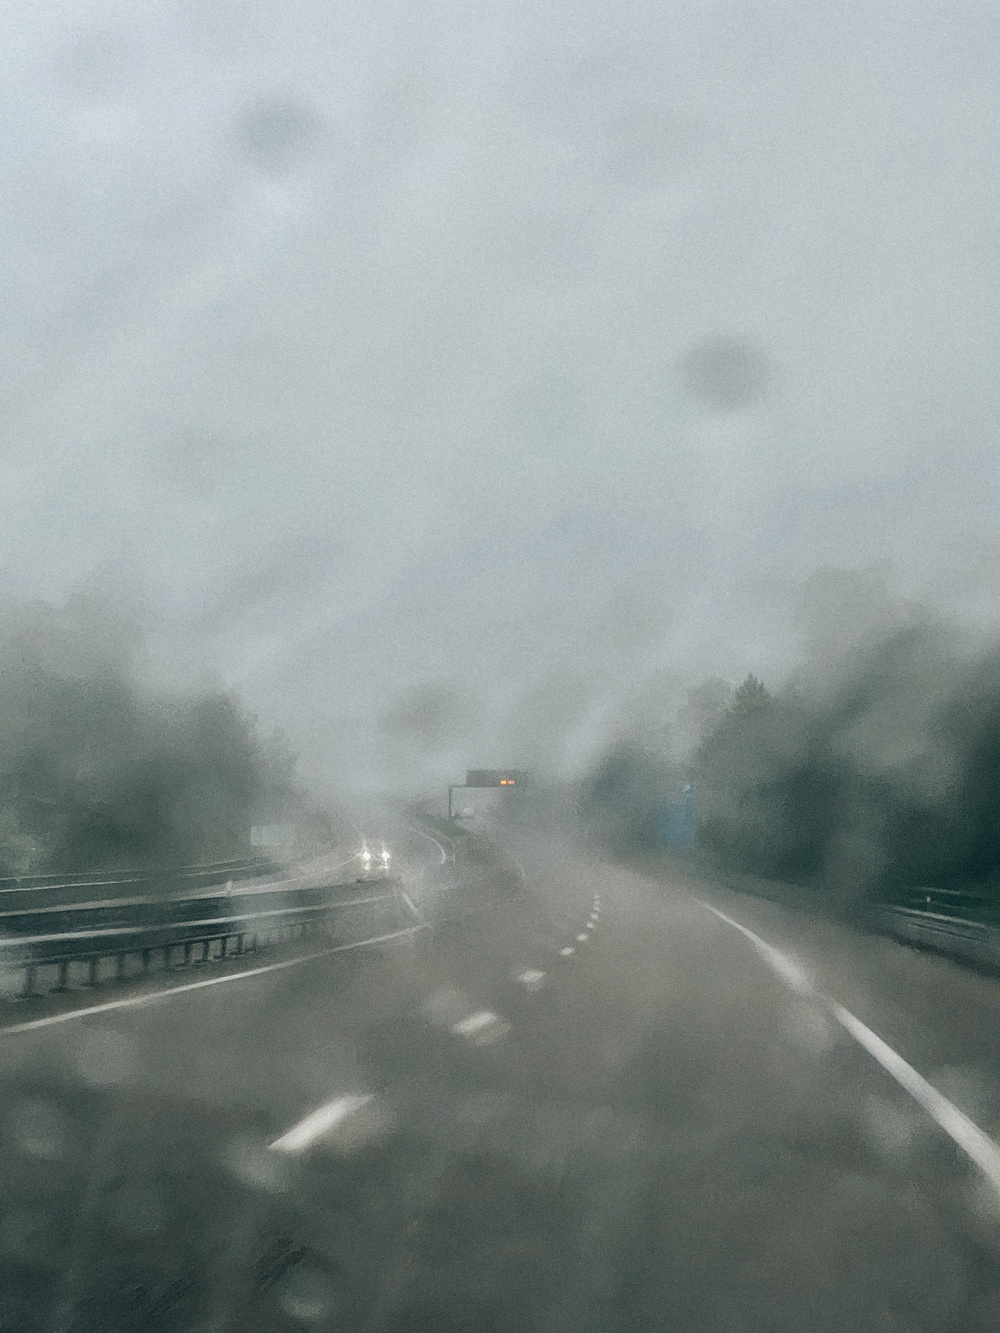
(494, 777)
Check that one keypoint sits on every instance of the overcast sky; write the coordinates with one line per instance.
(455, 379)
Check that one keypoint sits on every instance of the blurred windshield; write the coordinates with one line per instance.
(499, 669)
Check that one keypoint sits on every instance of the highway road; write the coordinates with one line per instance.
(583, 1099)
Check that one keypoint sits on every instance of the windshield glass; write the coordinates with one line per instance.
(499, 669)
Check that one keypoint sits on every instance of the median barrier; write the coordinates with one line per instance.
(187, 930)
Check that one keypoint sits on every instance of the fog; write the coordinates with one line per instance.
(105, 767)
(607, 392)
(465, 384)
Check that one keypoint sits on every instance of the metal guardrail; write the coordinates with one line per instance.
(958, 922)
(77, 888)
(147, 928)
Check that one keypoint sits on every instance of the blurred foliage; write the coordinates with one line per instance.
(887, 775)
(877, 768)
(99, 770)
(621, 800)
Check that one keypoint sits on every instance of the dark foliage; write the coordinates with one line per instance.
(887, 775)
(98, 770)
(621, 800)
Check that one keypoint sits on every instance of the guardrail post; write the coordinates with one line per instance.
(92, 976)
(222, 946)
(187, 953)
(30, 991)
(62, 985)
(239, 945)
(120, 967)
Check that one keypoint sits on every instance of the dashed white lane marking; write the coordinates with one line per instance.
(976, 1144)
(591, 925)
(481, 1028)
(565, 953)
(468, 1027)
(318, 1123)
(531, 979)
(582, 939)
(135, 1001)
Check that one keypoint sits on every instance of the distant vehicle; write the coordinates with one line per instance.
(371, 861)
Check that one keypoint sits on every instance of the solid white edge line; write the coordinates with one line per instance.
(969, 1137)
(135, 1000)
(786, 968)
(974, 1142)
(318, 1122)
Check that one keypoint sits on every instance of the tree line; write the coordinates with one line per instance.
(102, 769)
(874, 770)
(886, 775)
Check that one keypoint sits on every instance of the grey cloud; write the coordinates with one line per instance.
(277, 133)
(728, 374)
(388, 346)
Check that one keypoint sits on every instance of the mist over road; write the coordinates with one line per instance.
(585, 1102)
(386, 389)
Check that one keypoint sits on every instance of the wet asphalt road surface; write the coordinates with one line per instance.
(650, 1132)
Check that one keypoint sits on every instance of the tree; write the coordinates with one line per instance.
(750, 697)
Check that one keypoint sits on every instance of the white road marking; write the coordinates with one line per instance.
(318, 1123)
(582, 939)
(135, 1001)
(421, 834)
(983, 1150)
(531, 979)
(591, 925)
(565, 953)
(482, 1028)
(786, 968)
(413, 908)
(976, 1144)
(468, 1027)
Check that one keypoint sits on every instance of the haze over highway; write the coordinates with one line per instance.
(582, 1101)
(387, 389)
(531, 358)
